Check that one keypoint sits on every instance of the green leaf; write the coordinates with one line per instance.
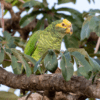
(9, 40)
(7, 35)
(37, 66)
(83, 61)
(24, 63)
(1, 54)
(93, 11)
(50, 19)
(6, 63)
(66, 66)
(1, 38)
(94, 64)
(85, 14)
(30, 59)
(39, 24)
(20, 44)
(80, 50)
(76, 14)
(14, 2)
(26, 21)
(85, 32)
(97, 29)
(29, 18)
(60, 15)
(32, 3)
(50, 61)
(7, 96)
(8, 51)
(66, 1)
(70, 41)
(15, 65)
(7, 57)
(93, 23)
(82, 71)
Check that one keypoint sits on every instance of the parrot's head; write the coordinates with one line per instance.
(64, 26)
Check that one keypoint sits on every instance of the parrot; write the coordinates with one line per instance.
(49, 38)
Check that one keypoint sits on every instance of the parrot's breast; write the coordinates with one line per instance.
(46, 41)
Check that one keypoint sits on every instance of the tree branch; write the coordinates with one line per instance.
(13, 23)
(8, 6)
(51, 82)
(97, 45)
(18, 62)
(2, 21)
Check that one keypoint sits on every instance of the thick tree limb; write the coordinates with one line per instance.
(52, 82)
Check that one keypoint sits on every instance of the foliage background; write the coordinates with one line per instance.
(79, 7)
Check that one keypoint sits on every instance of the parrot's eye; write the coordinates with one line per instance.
(63, 24)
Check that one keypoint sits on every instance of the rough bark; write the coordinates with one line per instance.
(51, 82)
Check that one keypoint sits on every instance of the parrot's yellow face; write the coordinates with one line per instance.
(65, 24)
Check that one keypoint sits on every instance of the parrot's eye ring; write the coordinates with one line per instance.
(63, 24)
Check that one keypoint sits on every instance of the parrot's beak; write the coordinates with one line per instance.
(71, 30)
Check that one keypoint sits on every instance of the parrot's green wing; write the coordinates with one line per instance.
(31, 45)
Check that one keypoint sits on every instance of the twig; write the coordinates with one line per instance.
(97, 45)
(18, 62)
(28, 95)
(2, 20)
(8, 6)
(22, 1)
(39, 92)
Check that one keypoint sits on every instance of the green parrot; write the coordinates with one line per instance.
(49, 38)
